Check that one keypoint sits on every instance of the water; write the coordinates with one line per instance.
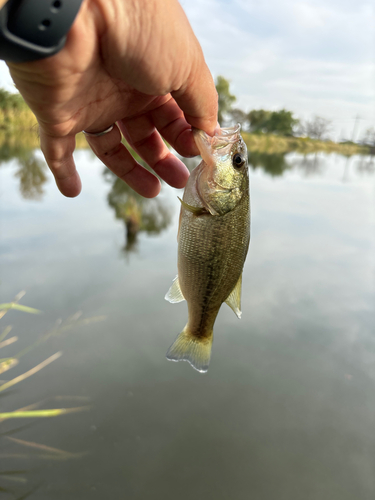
(287, 409)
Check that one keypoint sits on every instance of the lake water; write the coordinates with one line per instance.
(287, 408)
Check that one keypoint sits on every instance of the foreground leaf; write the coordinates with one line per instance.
(19, 307)
(56, 412)
(27, 374)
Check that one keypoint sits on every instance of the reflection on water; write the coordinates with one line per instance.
(274, 164)
(30, 171)
(32, 176)
(287, 410)
(366, 165)
(138, 213)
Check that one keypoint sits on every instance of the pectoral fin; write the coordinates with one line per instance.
(195, 210)
(234, 298)
(174, 294)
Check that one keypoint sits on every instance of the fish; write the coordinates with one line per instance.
(213, 241)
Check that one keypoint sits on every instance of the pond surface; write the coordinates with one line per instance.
(287, 408)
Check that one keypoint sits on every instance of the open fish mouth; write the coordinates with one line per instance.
(222, 138)
(227, 132)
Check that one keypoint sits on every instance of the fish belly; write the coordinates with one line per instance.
(211, 255)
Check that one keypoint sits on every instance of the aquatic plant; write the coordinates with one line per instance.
(36, 410)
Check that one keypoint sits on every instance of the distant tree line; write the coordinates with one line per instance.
(14, 112)
(11, 102)
(261, 121)
(256, 121)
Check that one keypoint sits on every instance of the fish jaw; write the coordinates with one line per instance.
(210, 147)
(220, 184)
(204, 145)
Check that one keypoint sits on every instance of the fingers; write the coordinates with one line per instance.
(58, 152)
(170, 121)
(141, 134)
(198, 98)
(109, 149)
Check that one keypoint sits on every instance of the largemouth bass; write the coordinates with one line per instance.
(213, 240)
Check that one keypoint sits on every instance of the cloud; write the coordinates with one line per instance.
(313, 57)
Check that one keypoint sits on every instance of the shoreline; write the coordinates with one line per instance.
(20, 130)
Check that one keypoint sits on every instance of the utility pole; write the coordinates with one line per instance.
(355, 128)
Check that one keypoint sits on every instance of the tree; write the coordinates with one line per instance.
(238, 116)
(272, 122)
(226, 99)
(317, 128)
(258, 119)
(369, 138)
(281, 122)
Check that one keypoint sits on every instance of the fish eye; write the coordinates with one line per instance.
(238, 161)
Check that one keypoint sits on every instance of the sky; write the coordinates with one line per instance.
(313, 57)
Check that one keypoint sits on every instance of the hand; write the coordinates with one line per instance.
(133, 62)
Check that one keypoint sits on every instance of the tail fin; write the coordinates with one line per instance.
(195, 350)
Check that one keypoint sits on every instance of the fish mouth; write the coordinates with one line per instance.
(222, 138)
(228, 132)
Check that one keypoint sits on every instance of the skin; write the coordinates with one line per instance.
(136, 63)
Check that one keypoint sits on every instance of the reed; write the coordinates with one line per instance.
(9, 479)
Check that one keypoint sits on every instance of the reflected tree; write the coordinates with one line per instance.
(274, 164)
(32, 176)
(366, 165)
(312, 164)
(31, 171)
(138, 213)
(10, 149)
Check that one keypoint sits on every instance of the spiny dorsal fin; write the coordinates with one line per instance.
(194, 210)
(174, 294)
(234, 298)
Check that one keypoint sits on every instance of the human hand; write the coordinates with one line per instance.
(133, 62)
